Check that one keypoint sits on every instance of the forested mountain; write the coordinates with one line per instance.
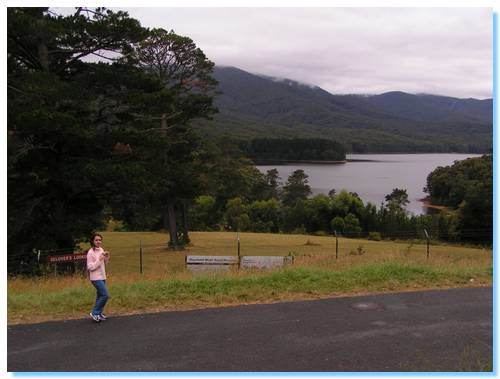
(433, 108)
(252, 106)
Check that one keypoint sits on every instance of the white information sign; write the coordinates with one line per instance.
(212, 260)
(265, 261)
(197, 263)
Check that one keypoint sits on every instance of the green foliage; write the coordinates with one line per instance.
(264, 215)
(319, 211)
(352, 227)
(466, 186)
(345, 203)
(296, 188)
(273, 182)
(295, 217)
(448, 185)
(338, 224)
(115, 226)
(225, 174)
(203, 214)
(398, 199)
(236, 215)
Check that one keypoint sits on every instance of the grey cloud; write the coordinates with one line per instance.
(447, 51)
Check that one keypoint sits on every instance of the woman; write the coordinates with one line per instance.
(96, 265)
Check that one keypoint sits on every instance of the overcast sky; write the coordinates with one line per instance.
(445, 51)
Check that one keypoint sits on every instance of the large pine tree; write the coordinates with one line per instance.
(85, 122)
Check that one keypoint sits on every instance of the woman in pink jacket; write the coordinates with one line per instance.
(96, 265)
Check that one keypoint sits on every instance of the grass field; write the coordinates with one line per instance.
(166, 285)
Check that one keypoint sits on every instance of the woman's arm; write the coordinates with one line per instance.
(93, 263)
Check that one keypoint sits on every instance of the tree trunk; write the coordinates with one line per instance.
(43, 56)
(163, 123)
(186, 238)
(172, 227)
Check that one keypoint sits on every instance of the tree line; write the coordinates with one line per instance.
(292, 149)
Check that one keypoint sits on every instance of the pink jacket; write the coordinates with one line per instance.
(96, 267)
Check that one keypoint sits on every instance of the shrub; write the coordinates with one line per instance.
(115, 226)
(300, 230)
(359, 251)
(321, 233)
(375, 236)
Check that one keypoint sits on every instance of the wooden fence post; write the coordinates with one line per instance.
(427, 236)
(140, 255)
(336, 245)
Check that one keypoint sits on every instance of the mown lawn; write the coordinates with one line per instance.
(166, 285)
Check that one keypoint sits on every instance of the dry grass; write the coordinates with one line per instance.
(309, 251)
(157, 259)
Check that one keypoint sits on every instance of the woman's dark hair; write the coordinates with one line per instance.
(93, 238)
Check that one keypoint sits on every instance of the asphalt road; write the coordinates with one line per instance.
(443, 330)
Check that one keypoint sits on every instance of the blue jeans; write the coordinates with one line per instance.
(102, 296)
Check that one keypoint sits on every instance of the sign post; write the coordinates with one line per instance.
(140, 255)
(239, 256)
(65, 258)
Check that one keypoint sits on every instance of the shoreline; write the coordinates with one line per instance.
(283, 162)
(427, 204)
(291, 162)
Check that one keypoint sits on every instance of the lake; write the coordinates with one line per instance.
(373, 176)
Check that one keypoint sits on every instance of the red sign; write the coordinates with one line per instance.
(66, 258)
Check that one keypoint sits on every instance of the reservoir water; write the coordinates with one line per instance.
(373, 176)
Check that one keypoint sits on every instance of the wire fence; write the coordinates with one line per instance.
(141, 256)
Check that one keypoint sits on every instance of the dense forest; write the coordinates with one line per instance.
(113, 142)
(294, 149)
(467, 188)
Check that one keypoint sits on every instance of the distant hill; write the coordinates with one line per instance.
(433, 108)
(253, 106)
